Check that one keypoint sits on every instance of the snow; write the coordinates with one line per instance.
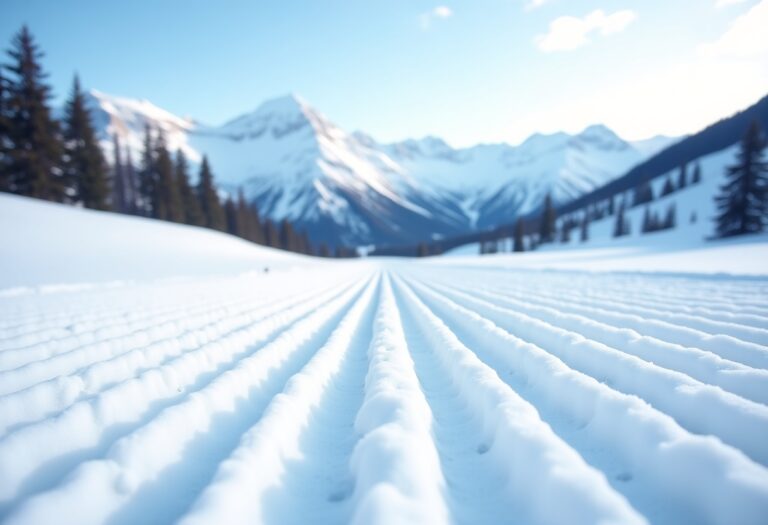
(45, 245)
(688, 248)
(284, 150)
(154, 373)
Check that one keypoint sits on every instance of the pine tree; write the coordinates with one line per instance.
(189, 201)
(305, 246)
(4, 138)
(682, 180)
(271, 235)
(565, 231)
(147, 177)
(84, 165)
(33, 163)
(519, 245)
(611, 205)
(548, 219)
(643, 194)
(742, 199)
(621, 226)
(670, 220)
(167, 198)
(669, 187)
(256, 228)
(119, 192)
(648, 222)
(131, 184)
(230, 214)
(245, 222)
(210, 205)
(584, 237)
(287, 236)
(696, 174)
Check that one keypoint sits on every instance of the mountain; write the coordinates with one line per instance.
(712, 139)
(712, 149)
(348, 189)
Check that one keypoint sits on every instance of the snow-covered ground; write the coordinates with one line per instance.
(687, 248)
(185, 384)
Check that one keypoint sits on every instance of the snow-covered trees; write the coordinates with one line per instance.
(742, 199)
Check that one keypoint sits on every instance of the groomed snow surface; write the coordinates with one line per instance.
(389, 391)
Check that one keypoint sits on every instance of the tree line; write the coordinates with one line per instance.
(742, 205)
(62, 161)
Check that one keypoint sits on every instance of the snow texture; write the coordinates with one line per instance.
(446, 390)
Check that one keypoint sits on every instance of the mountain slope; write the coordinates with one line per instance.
(347, 188)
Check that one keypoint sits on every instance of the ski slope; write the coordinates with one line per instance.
(378, 391)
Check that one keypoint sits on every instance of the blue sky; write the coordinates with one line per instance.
(467, 70)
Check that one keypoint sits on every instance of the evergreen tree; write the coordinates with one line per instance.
(271, 235)
(210, 205)
(648, 221)
(696, 174)
(422, 250)
(621, 226)
(230, 214)
(565, 231)
(167, 198)
(33, 152)
(742, 199)
(584, 237)
(248, 219)
(84, 165)
(669, 187)
(643, 194)
(519, 245)
(4, 138)
(131, 184)
(189, 202)
(147, 177)
(670, 220)
(256, 228)
(119, 198)
(611, 205)
(288, 236)
(682, 180)
(548, 219)
(305, 246)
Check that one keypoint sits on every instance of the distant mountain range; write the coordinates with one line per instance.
(348, 189)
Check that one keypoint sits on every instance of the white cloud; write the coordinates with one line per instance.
(438, 12)
(533, 4)
(718, 79)
(747, 37)
(569, 32)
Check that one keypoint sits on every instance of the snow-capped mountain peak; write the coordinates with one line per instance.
(347, 188)
(279, 117)
(601, 136)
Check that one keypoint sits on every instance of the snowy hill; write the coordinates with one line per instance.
(346, 188)
(46, 244)
(688, 247)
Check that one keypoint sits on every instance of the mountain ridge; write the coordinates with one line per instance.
(350, 189)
